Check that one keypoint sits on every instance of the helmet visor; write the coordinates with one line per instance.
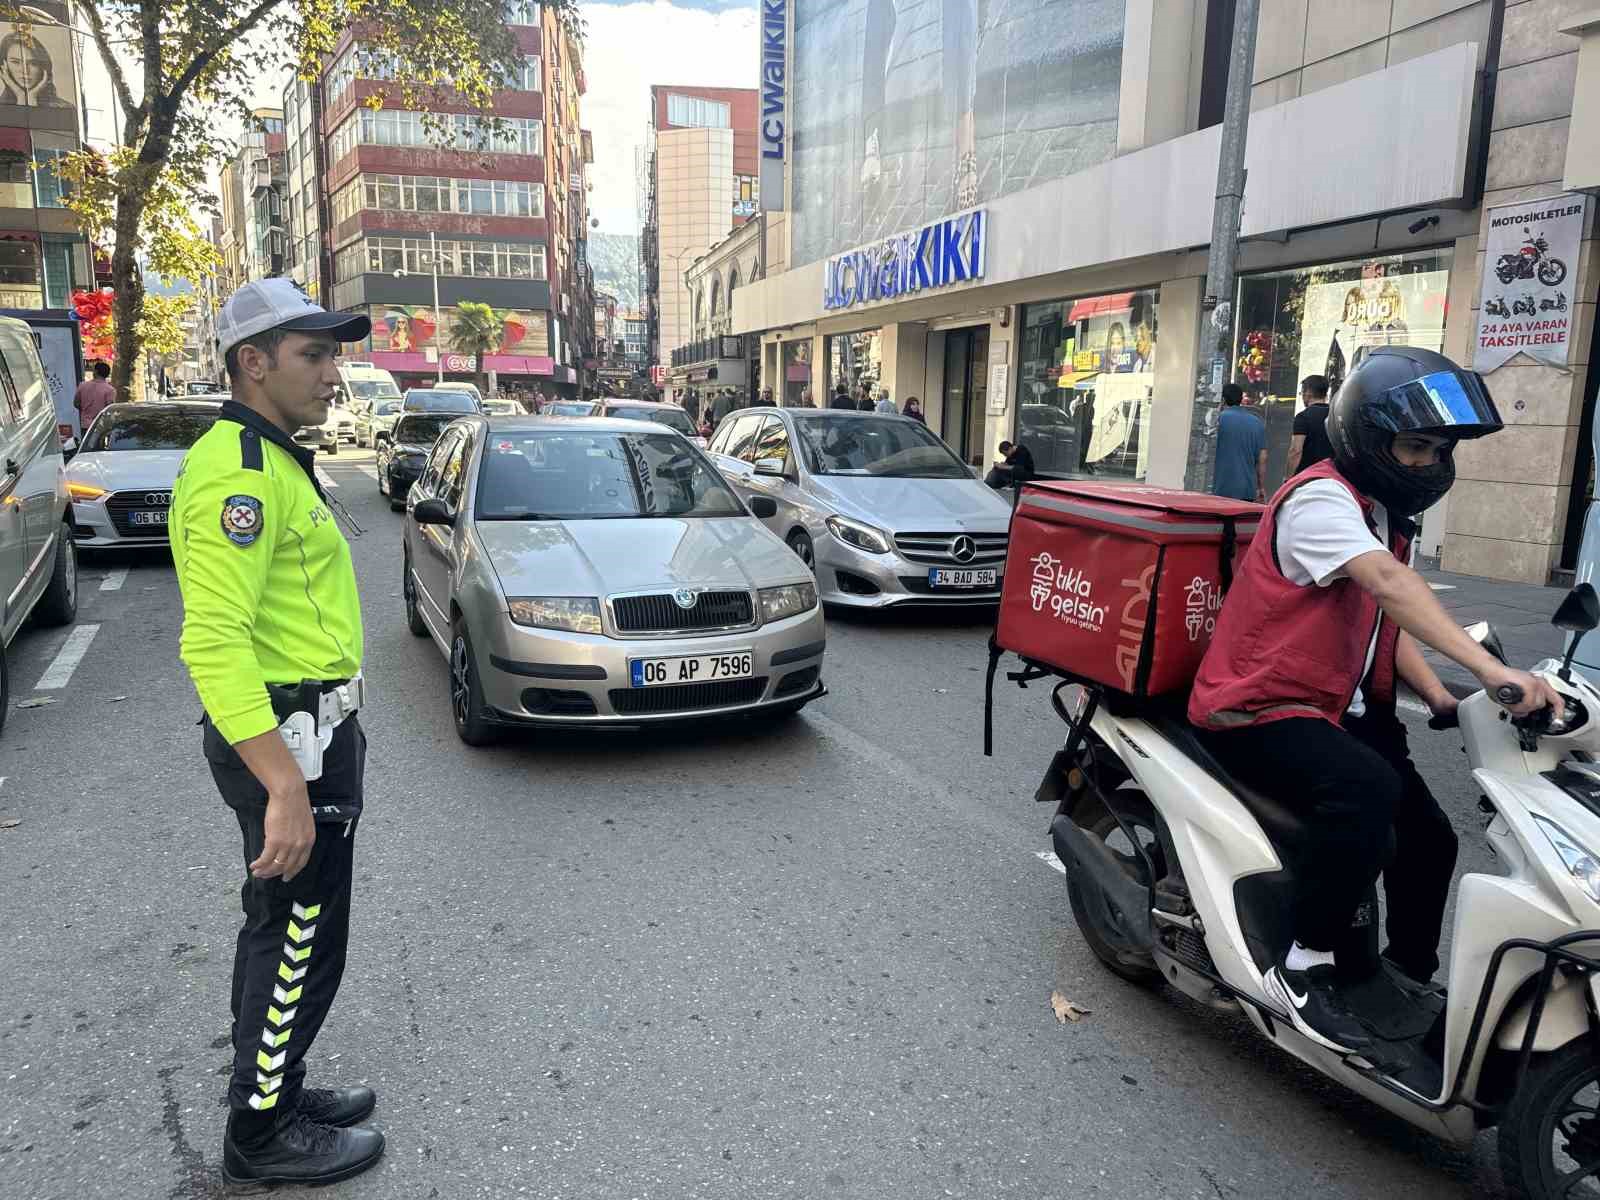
(1449, 403)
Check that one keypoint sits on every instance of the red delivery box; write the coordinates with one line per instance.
(1119, 583)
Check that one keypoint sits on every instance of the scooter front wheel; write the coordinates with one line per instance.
(1549, 1138)
(1111, 945)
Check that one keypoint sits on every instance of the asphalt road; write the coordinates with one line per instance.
(812, 961)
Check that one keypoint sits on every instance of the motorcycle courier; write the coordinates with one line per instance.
(1179, 873)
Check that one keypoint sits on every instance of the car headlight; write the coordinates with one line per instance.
(84, 491)
(1584, 866)
(787, 601)
(576, 614)
(862, 537)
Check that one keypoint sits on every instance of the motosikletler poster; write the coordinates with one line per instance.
(1527, 303)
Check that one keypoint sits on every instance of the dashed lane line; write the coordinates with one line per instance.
(59, 672)
(115, 580)
(325, 479)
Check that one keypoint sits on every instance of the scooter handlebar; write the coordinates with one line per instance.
(1508, 693)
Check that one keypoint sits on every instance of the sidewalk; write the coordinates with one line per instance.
(1519, 612)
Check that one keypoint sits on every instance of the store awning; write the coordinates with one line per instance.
(1100, 306)
(15, 141)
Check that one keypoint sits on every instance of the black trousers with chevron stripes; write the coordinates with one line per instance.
(290, 953)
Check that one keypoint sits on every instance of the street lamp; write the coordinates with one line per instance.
(432, 261)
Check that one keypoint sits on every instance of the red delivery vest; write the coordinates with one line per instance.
(1286, 650)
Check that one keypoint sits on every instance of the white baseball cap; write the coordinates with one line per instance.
(276, 303)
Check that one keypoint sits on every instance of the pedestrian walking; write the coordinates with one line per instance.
(841, 396)
(93, 395)
(1308, 442)
(272, 639)
(885, 404)
(806, 399)
(913, 409)
(1241, 450)
(864, 400)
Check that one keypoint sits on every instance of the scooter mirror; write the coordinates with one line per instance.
(1580, 611)
(1483, 633)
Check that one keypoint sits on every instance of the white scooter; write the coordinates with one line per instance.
(1174, 877)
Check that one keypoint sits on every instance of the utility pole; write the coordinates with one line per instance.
(438, 317)
(1216, 321)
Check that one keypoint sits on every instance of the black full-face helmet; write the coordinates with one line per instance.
(1401, 389)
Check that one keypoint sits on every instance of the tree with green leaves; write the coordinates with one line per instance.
(180, 68)
(478, 330)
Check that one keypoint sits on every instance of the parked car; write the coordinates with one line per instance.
(38, 562)
(568, 408)
(324, 437)
(601, 574)
(375, 419)
(876, 505)
(121, 476)
(400, 457)
(343, 418)
(197, 389)
(497, 407)
(451, 385)
(450, 400)
(670, 415)
(374, 400)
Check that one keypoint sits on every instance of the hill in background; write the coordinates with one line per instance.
(615, 258)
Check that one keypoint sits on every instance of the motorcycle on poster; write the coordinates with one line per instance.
(1527, 302)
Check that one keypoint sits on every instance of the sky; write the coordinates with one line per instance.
(628, 47)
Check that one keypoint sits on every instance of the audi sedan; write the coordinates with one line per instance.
(589, 572)
(120, 479)
(877, 506)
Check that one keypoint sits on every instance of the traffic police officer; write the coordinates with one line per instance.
(272, 639)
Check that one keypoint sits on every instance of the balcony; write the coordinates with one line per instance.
(710, 350)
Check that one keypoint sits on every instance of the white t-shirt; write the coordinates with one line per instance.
(1320, 529)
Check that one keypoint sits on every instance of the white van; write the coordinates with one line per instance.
(373, 398)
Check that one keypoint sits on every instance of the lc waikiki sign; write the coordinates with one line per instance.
(774, 100)
(937, 255)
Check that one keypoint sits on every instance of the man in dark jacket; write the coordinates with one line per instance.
(841, 397)
(1016, 470)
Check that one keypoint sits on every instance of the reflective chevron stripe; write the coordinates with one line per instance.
(286, 998)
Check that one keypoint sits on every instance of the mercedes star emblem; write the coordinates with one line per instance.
(963, 549)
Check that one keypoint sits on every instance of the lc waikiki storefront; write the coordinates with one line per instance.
(1068, 315)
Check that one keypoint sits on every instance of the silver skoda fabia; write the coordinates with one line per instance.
(601, 573)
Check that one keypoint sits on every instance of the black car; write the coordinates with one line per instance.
(400, 456)
(440, 400)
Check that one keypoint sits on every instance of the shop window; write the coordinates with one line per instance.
(1322, 320)
(855, 360)
(796, 373)
(58, 271)
(1085, 384)
(19, 261)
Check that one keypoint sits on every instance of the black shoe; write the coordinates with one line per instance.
(299, 1151)
(337, 1106)
(1311, 999)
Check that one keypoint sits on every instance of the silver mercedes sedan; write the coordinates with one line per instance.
(120, 477)
(879, 507)
(587, 572)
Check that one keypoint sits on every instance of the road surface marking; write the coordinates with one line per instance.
(1415, 706)
(1443, 587)
(324, 479)
(1049, 859)
(67, 659)
(369, 472)
(114, 580)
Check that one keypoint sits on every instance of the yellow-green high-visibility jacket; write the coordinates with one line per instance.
(269, 590)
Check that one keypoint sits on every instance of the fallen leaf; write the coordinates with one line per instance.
(36, 702)
(941, 691)
(10, 823)
(116, 699)
(1065, 1009)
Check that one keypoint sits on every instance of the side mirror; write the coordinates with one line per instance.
(764, 507)
(1483, 633)
(1580, 611)
(771, 466)
(433, 511)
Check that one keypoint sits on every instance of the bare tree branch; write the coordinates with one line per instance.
(119, 81)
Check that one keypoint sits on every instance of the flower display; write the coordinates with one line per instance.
(95, 324)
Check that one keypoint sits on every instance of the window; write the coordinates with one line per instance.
(529, 76)
(346, 202)
(741, 444)
(522, 12)
(441, 451)
(486, 260)
(50, 190)
(19, 261)
(451, 477)
(695, 113)
(773, 442)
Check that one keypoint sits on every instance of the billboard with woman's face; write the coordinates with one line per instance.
(36, 66)
(905, 111)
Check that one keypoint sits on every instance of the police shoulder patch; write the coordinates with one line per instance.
(241, 519)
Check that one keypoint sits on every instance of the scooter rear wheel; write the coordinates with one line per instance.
(1110, 944)
(1549, 1138)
